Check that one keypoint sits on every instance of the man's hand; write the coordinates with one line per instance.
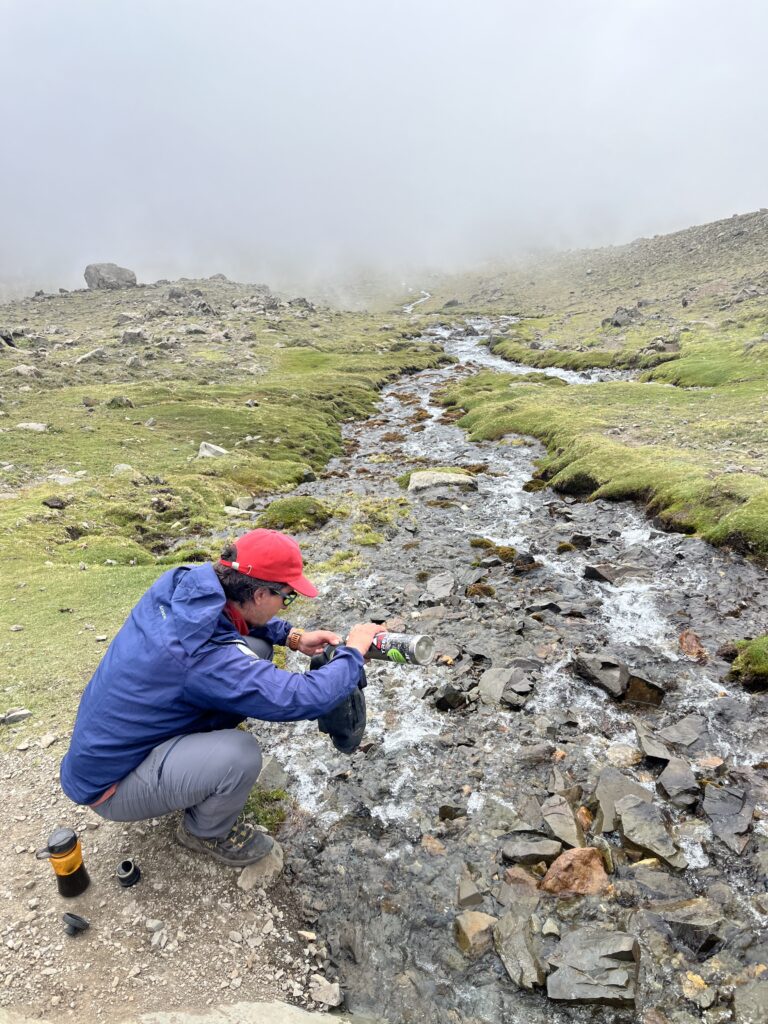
(315, 641)
(361, 636)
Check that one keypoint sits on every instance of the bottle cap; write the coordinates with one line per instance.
(62, 840)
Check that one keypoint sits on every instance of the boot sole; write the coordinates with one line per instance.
(191, 843)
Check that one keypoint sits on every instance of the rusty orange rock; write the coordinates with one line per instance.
(576, 871)
(692, 647)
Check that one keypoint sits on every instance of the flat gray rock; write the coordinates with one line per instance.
(595, 965)
(678, 783)
(516, 946)
(531, 851)
(424, 479)
(729, 808)
(612, 786)
(642, 826)
(559, 816)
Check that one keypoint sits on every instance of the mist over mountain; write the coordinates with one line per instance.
(301, 140)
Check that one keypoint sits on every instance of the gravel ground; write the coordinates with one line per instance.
(184, 937)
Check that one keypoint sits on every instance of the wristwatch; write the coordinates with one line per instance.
(294, 636)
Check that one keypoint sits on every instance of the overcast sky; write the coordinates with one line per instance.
(188, 137)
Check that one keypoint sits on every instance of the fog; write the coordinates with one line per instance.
(297, 138)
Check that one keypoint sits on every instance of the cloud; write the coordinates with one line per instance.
(270, 138)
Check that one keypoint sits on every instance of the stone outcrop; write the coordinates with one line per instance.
(109, 276)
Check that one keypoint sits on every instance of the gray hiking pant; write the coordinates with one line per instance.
(206, 774)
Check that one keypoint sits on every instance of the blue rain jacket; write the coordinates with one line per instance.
(179, 666)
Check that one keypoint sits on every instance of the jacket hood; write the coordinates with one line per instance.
(198, 603)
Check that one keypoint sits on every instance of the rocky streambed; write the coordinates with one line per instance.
(565, 818)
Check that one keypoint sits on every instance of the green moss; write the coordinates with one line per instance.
(481, 542)
(565, 547)
(294, 514)
(363, 534)
(480, 590)
(267, 807)
(751, 665)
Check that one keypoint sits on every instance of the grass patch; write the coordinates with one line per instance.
(698, 458)
(294, 515)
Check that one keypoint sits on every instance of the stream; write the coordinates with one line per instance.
(448, 772)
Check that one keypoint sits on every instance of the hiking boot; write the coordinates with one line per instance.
(244, 844)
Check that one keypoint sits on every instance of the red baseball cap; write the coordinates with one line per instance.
(273, 557)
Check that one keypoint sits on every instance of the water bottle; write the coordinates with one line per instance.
(66, 857)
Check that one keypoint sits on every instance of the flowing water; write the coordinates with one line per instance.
(384, 895)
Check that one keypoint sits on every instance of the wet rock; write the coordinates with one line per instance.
(579, 871)
(441, 586)
(467, 893)
(613, 786)
(515, 877)
(509, 686)
(615, 677)
(515, 944)
(657, 883)
(559, 816)
(678, 784)
(263, 872)
(730, 808)
(690, 732)
(449, 697)
(643, 827)
(108, 275)
(622, 755)
(695, 924)
(650, 745)
(423, 480)
(473, 931)
(210, 451)
(531, 851)
(593, 965)
(605, 572)
(692, 647)
(750, 1003)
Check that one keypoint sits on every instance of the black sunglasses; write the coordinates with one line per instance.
(288, 598)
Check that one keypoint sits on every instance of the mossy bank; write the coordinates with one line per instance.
(139, 429)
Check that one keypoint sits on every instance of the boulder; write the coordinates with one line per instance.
(325, 992)
(595, 965)
(210, 451)
(108, 275)
(612, 786)
(134, 336)
(423, 480)
(580, 872)
(643, 827)
(652, 747)
(96, 355)
(36, 428)
(515, 944)
(473, 931)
